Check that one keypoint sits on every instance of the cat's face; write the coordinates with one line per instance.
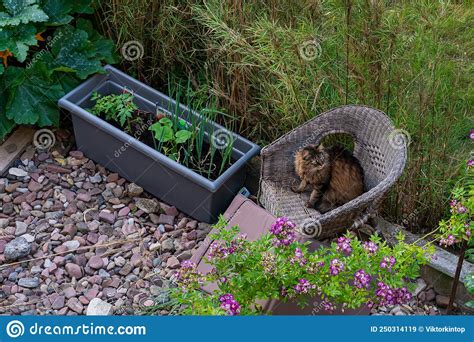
(314, 156)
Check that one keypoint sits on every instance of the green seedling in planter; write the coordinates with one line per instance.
(350, 273)
(170, 135)
(119, 108)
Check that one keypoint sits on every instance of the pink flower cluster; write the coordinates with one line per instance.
(336, 266)
(388, 262)
(370, 247)
(457, 207)
(344, 245)
(328, 306)
(188, 274)
(298, 258)
(303, 286)
(217, 250)
(229, 304)
(449, 241)
(392, 296)
(284, 231)
(361, 279)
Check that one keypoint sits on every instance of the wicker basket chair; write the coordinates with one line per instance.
(380, 148)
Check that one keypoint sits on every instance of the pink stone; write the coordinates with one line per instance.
(73, 270)
(172, 262)
(124, 211)
(84, 197)
(96, 262)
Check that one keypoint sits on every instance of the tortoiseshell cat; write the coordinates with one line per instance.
(334, 174)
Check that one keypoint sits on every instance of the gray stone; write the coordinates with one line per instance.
(72, 244)
(4, 223)
(148, 205)
(29, 283)
(21, 228)
(134, 190)
(14, 171)
(28, 237)
(119, 261)
(185, 255)
(167, 245)
(54, 215)
(97, 307)
(103, 273)
(17, 249)
(97, 178)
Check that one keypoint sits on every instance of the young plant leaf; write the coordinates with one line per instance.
(182, 136)
(166, 122)
(162, 133)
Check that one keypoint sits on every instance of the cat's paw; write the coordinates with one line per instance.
(308, 204)
(294, 188)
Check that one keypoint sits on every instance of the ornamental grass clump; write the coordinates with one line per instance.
(348, 274)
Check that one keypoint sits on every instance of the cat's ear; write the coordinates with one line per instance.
(320, 147)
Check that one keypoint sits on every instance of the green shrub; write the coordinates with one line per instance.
(46, 52)
(348, 274)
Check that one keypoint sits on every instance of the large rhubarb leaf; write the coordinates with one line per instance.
(32, 94)
(17, 12)
(18, 40)
(82, 6)
(6, 125)
(58, 11)
(81, 51)
(103, 48)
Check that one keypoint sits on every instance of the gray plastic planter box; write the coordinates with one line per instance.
(171, 182)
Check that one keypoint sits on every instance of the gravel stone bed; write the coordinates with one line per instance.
(76, 239)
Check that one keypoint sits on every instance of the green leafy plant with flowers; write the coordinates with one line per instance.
(459, 226)
(348, 274)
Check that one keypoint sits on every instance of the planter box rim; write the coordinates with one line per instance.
(211, 185)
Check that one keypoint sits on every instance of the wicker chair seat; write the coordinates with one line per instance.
(380, 148)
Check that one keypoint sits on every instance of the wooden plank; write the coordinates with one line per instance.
(14, 146)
